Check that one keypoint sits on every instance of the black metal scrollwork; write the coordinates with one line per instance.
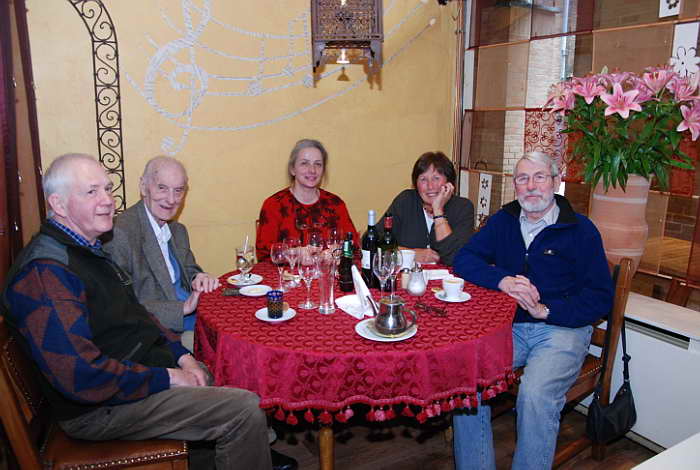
(108, 116)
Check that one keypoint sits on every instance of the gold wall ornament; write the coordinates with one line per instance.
(339, 28)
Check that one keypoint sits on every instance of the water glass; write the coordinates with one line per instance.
(326, 282)
(244, 262)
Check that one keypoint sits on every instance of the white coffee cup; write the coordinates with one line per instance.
(408, 257)
(452, 286)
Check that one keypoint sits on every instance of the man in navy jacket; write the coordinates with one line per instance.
(551, 261)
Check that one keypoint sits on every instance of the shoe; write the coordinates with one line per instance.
(282, 462)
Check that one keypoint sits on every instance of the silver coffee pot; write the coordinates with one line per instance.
(391, 319)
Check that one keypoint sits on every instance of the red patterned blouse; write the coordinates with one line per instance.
(282, 216)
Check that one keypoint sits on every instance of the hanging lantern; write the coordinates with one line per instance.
(341, 27)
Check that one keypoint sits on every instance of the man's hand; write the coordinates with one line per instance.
(190, 305)
(181, 378)
(521, 289)
(539, 311)
(203, 282)
(190, 365)
(442, 197)
(426, 255)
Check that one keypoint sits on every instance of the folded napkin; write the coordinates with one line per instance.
(351, 304)
(358, 305)
(435, 274)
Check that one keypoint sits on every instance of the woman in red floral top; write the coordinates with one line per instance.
(303, 207)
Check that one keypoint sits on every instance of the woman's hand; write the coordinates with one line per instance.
(444, 195)
(426, 255)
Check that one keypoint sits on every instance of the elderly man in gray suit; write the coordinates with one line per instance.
(155, 249)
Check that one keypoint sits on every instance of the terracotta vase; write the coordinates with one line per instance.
(621, 219)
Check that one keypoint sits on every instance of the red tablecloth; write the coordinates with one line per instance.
(318, 363)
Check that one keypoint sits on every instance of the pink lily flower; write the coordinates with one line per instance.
(691, 120)
(616, 77)
(588, 88)
(620, 102)
(561, 97)
(645, 93)
(683, 89)
(656, 78)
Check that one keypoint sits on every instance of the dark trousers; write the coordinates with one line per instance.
(229, 417)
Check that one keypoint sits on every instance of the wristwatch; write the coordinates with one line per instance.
(546, 310)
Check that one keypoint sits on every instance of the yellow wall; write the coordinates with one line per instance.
(373, 132)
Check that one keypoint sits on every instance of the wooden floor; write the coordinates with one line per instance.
(399, 452)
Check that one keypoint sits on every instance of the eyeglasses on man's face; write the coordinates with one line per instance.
(538, 178)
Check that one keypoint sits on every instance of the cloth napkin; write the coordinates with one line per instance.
(435, 274)
(357, 305)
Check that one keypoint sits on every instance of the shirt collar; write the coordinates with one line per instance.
(549, 218)
(163, 233)
(76, 237)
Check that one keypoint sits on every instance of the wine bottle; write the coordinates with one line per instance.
(345, 266)
(369, 250)
(387, 242)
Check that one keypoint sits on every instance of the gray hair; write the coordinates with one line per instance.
(58, 178)
(543, 159)
(304, 144)
(156, 163)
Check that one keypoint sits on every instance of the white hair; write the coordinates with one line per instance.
(156, 163)
(541, 158)
(58, 178)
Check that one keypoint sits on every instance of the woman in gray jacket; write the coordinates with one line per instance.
(430, 219)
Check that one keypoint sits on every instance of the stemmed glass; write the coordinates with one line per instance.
(302, 225)
(387, 263)
(292, 256)
(333, 242)
(244, 262)
(308, 270)
(278, 252)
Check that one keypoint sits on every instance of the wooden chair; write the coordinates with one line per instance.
(590, 370)
(38, 443)
(592, 366)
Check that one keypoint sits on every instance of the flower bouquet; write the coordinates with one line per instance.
(628, 123)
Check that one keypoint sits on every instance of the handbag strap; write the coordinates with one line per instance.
(625, 359)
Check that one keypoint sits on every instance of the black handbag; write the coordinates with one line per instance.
(606, 423)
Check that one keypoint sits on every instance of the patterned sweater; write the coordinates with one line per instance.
(282, 216)
(49, 307)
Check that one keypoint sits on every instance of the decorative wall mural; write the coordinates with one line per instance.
(542, 134)
(684, 57)
(483, 205)
(105, 63)
(198, 74)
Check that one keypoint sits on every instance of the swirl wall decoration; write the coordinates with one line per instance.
(108, 115)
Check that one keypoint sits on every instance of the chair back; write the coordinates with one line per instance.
(622, 276)
(25, 412)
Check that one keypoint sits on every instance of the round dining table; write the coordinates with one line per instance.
(315, 367)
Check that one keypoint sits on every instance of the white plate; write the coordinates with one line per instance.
(240, 280)
(365, 328)
(287, 315)
(256, 290)
(463, 297)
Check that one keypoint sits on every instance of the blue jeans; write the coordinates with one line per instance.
(552, 356)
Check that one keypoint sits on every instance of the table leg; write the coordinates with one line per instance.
(326, 442)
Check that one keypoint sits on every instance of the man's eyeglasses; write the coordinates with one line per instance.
(437, 311)
(538, 178)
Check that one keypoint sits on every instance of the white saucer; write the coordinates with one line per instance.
(256, 290)
(463, 297)
(365, 328)
(240, 280)
(287, 315)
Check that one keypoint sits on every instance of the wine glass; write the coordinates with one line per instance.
(308, 270)
(387, 263)
(302, 225)
(244, 262)
(333, 242)
(316, 238)
(278, 253)
(292, 256)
